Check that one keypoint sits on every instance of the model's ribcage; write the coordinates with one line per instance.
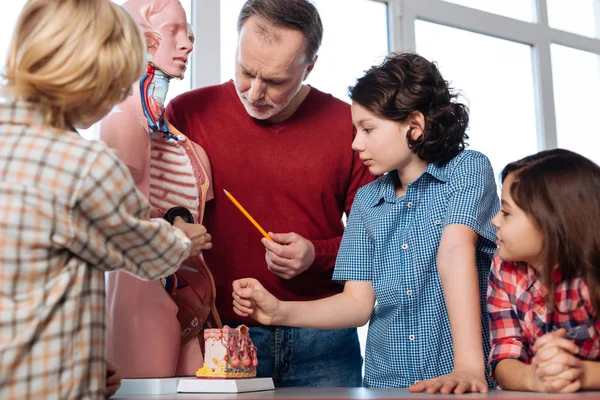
(173, 177)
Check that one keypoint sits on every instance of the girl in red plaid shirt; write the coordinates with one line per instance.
(544, 289)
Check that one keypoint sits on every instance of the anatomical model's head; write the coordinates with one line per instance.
(168, 35)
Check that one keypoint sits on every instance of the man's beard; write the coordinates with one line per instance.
(272, 110)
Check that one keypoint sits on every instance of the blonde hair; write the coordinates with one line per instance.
(74, 58)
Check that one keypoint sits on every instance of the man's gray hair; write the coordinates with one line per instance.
(300, 15)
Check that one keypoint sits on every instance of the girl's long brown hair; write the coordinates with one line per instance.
(560, 191)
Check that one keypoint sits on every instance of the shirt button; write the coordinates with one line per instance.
(409, 292)
(417, 381)
(404, 246)
(409, 204)
(437, 222)
(411, 337)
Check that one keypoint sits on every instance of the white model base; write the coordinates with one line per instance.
(159, 386)
(194, 385)
(147, 387)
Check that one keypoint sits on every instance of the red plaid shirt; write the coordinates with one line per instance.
(519, 315)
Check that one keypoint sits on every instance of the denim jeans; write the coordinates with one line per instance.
(296, 357)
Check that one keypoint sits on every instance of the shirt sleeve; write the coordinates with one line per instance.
(111, 225)
(326, 251)
(473, 199)
(355, 257)
(505, 327)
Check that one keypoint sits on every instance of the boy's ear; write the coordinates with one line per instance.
(416, 121)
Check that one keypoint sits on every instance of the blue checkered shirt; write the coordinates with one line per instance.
(393, 241)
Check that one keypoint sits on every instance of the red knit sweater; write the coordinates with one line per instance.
(299, 176)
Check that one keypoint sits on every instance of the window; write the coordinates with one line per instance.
(537, 82)
(360, 41)
(10, 14)
(489, 76)
(577, 16)
(576, 86)
(518, 9)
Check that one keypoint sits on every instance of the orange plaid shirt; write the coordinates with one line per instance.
(69, 211)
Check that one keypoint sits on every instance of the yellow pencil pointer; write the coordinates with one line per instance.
(243, 210)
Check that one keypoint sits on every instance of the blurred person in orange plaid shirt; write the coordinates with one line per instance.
(544, 289)
(69, 209)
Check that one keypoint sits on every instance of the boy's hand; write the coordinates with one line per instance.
(113, 379)
(201, 239)
(458, 381)
(250, 298)
(555, 365)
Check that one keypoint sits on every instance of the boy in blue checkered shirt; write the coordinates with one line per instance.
(418, 245)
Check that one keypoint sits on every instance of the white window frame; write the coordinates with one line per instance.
(402, 15)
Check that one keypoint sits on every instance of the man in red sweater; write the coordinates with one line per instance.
(283, 149)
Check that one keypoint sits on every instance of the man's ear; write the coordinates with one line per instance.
(153, 40)
(416, 121)
(310, 68)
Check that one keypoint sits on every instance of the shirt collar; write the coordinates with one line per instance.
(388, 182)
(18, 112)
(532, 278)
(438, 170)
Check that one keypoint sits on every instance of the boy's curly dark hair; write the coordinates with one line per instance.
(405, 83)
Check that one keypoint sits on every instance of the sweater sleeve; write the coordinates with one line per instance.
(326, 250)
(325, 253)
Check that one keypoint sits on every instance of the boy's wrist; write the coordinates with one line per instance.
(473, 366)
(280, 316)
(471, 369)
